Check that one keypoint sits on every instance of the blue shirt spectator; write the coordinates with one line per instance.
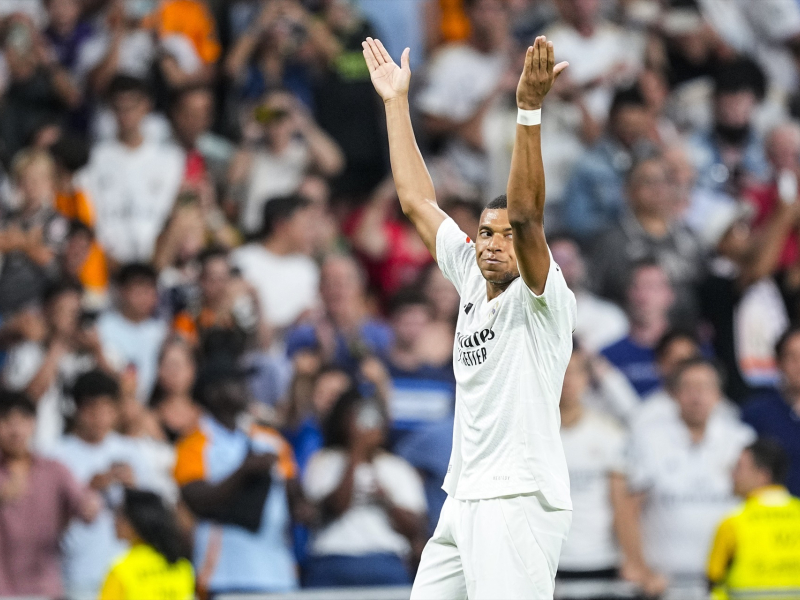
(595, 195)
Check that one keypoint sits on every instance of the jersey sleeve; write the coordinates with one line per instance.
(455, 252)
(722, 552)
(190, 459)
(556, 304)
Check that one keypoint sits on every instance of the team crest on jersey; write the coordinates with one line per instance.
(472, 347)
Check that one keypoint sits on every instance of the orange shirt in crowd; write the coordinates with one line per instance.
(76, 205)
(455, 24)
(192, 19)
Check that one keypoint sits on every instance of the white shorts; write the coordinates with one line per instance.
(503, 548)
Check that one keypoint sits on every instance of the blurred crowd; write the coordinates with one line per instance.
(216, 322)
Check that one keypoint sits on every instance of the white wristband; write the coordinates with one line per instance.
(529, 117)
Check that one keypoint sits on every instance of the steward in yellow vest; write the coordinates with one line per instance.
(756, 551)
(154, 568)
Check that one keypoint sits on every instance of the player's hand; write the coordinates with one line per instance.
(538, 75)
(390, 81)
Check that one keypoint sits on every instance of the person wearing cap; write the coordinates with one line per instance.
(38, 497)
(237, 477)
(739, 260)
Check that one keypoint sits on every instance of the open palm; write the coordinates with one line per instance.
(390, 81)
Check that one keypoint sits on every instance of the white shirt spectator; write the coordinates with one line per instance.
(594, 448)
(688, 488)
(126, 343)
(611, 50)
(134, 190)
(137, 51)
(90, 549)
(287, 286)
(270, 176)
(758, 28)
(365, 527)
(600, 322)
(22, 365)
(460, 78)
(658, 405)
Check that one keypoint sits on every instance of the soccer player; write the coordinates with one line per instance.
(508, 508)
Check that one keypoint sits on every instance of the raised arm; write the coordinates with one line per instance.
(411, 177)
(526, 182)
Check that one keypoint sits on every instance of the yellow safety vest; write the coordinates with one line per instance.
(756, 552)
(144, 573)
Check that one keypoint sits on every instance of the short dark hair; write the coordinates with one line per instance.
(739, 75)
(769, 455)
(15, 401)
(71, 152)
(78, 227)
(407, 297)
(122, 84)
(212, 253)
(178, 95)
(691, 363)
(60, 287)
(648, 262)
(674, 334)
(281, 209)
(501, 202)
(94, 384)
(135, 271)
(626, 97)
(783, 341)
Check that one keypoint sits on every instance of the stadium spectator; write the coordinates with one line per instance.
(155, 565)
(130, 333)
(600, 322)
(46, 369)
(133, 180)
(738, 279)
(172, 400)
(286, 145)
(237, 481)
(752, 554)
(208, 154)
(782, 147)
(599, 544)
(650, 297)
(774, 413)
(67, 31)
(731, 153)
(388, 243)
(602, 57)
(38, 497)
(680, 474)
(32, 235)
(427, 449)
(464, 80)
(282, 254)
(104, 461)
(82, 258)
(346, 333)
(422, 391)
(649, 231)
(313, 392)
(444, 301)
(372, 501)
(594, 197)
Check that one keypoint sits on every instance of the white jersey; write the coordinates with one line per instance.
(595, 449)
(509, 358)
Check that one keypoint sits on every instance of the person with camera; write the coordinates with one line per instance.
(46, 368)
(372, 502)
